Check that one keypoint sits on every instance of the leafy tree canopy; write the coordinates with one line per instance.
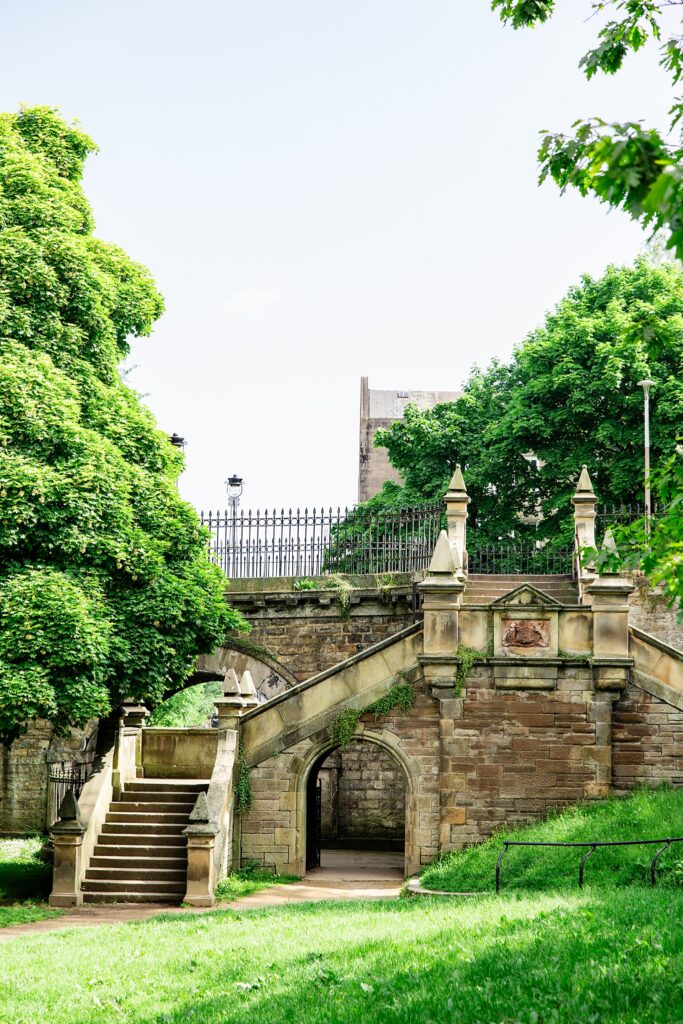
(568, 396)
(627, 165)
(105, 589)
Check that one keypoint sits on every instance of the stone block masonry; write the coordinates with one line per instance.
(307, 632)
(648, 741)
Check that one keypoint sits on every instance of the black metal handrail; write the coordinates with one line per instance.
(65, 775)
(315, 542)
(664, 844)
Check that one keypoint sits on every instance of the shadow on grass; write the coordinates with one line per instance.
(588, 959)
(24, 880)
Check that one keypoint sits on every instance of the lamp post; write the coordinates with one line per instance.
(234, 485)
(646, 384)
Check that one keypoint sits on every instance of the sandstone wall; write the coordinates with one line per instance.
(648, 741)
(308, 632)
(650, 611)
(363, 796)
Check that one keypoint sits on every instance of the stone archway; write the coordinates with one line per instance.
(270, 677)
(391, 745)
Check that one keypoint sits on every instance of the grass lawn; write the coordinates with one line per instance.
(599, 957)
(25, 882)
(647, 814)
(248, 880)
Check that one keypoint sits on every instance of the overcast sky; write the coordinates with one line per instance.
(323, 191)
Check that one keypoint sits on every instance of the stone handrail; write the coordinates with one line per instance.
(209, 834)
(313, 705)
(74, 839)
(658, 668)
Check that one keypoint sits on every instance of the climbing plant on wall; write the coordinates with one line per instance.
(105, 588)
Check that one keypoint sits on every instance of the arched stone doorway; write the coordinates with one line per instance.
(359, 799)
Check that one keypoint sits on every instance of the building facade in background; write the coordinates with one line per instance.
(379, 409)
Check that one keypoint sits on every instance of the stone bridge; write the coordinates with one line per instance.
(527, 695)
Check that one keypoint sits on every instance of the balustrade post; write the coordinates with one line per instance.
(67, 840)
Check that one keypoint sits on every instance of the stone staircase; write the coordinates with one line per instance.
(141, 853)
(484, 588)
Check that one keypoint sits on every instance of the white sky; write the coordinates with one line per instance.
(323, 191)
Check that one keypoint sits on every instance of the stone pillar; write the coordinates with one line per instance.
(457, 500)
(201, 838)
(67, 838)
(128, 751)
(442, 596)
(609, 595)
(585, 503)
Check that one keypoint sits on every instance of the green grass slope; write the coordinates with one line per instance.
(646, 814)
(612, 958)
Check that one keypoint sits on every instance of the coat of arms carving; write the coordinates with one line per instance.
(526, 633)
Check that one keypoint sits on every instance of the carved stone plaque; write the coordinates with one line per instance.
(526, 633)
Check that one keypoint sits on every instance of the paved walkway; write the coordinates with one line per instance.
(342, 875)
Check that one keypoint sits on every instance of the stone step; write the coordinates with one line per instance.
(150, 807)
(143, 828)
(154, 817)
(148, 796)
(114, 888)
(114, 856)
(135, 873)
(167, 785)
(95, 896)
(163, 840)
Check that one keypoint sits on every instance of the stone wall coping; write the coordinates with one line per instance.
(282, 584)
(323, 596)
(389, 641)
(653, 641)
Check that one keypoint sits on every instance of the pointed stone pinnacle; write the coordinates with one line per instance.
(231, 686)
(457, 481)
(584, 485)
(69, 809)
(444, 559)
(247, 688)
(609, 544)
(200, 811)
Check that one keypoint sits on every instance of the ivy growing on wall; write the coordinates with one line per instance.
(243, 794)
(401, 695)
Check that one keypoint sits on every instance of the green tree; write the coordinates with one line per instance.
(626, 165)
(569, 396)
(106, 592)
(191, 706)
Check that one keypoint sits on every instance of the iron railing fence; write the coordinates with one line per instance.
(621, 515)
(65, 775)
(517, 559)
(590, 848)
(318, 542)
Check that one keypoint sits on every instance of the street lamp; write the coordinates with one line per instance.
(234, 485)
(646, 384)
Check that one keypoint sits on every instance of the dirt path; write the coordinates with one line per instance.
(308, 890)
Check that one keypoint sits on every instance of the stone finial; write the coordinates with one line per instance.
(69, 809)
(445, 557)
(585, 485)
(457, 484)
(200, 811)
(231, 686)
(247, 688)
